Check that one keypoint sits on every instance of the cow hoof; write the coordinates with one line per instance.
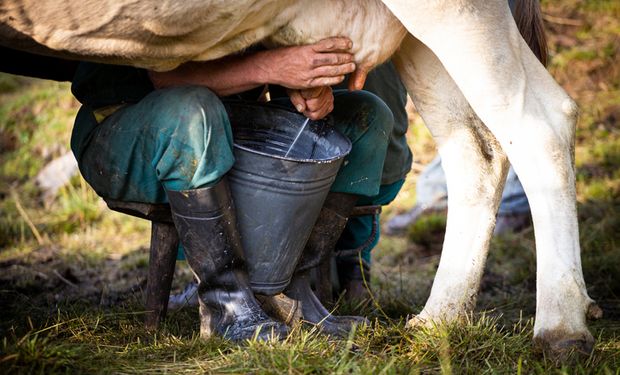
(418, 322)
(594, 312)
(566, 349)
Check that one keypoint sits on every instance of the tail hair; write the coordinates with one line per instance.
(528, 17)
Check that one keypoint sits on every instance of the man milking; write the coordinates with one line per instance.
(165, 138)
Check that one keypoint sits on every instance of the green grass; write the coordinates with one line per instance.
(73, 273)
(428, 230)
(95, 341)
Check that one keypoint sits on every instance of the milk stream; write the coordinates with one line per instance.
(301, 130)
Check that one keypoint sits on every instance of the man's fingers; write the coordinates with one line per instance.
(320, 105)
(314, 92)
(316, 103)
(314, 115)
(325, 81)
(298, 101)
(321, 59)
(320, 113)
(333, 44)
(334, 70)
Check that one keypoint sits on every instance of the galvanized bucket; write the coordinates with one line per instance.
(278, 198)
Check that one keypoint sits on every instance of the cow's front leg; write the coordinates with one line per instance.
(534, 120)
(475, 167)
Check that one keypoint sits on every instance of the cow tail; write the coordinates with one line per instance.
(528, 17)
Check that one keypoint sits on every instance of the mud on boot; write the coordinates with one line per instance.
(299, 303)
(205, 220)
(187, 298)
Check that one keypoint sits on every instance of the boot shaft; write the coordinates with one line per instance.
(205, 220)
(327, 230)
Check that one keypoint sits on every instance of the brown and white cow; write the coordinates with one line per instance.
(480, 90)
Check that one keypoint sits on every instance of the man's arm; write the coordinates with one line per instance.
(313, 66)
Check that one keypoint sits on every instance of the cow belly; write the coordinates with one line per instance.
(375, 32)
(151, 34)
(161, 35)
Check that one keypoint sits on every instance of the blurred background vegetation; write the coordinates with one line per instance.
(72, 272)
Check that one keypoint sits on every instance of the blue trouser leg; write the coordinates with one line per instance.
(174, 139)
(368, 123)
(359, 229)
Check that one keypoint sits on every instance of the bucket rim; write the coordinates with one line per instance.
(346, 150)
(297, 160)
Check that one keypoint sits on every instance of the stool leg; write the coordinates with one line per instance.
(162, 259)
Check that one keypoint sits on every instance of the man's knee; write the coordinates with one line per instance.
(364, 115)
(367, 122)
(376, 110)
(188, 112)
(193, 144)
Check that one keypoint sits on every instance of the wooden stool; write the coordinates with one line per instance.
(324, 283)
(162, 255)
(163, 252)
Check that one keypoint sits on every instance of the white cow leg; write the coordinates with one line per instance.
(534, 121)
(475, 168)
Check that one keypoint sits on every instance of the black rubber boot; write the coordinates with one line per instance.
(205, 220)
(299, 302)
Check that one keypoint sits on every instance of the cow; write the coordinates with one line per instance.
(480, 90)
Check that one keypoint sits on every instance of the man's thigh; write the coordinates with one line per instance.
(175, 139)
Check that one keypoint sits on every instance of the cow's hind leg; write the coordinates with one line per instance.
(534, 120)
(476, 169)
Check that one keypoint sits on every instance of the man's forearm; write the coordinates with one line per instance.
(226, 76)
(324, 63)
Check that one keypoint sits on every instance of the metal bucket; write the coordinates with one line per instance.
(278, 198)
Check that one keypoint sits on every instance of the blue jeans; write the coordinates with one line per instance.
(432, 192)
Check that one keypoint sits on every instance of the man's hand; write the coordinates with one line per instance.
(314, 103)
(324, 63)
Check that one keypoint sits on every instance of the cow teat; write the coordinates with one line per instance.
(358, 78)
